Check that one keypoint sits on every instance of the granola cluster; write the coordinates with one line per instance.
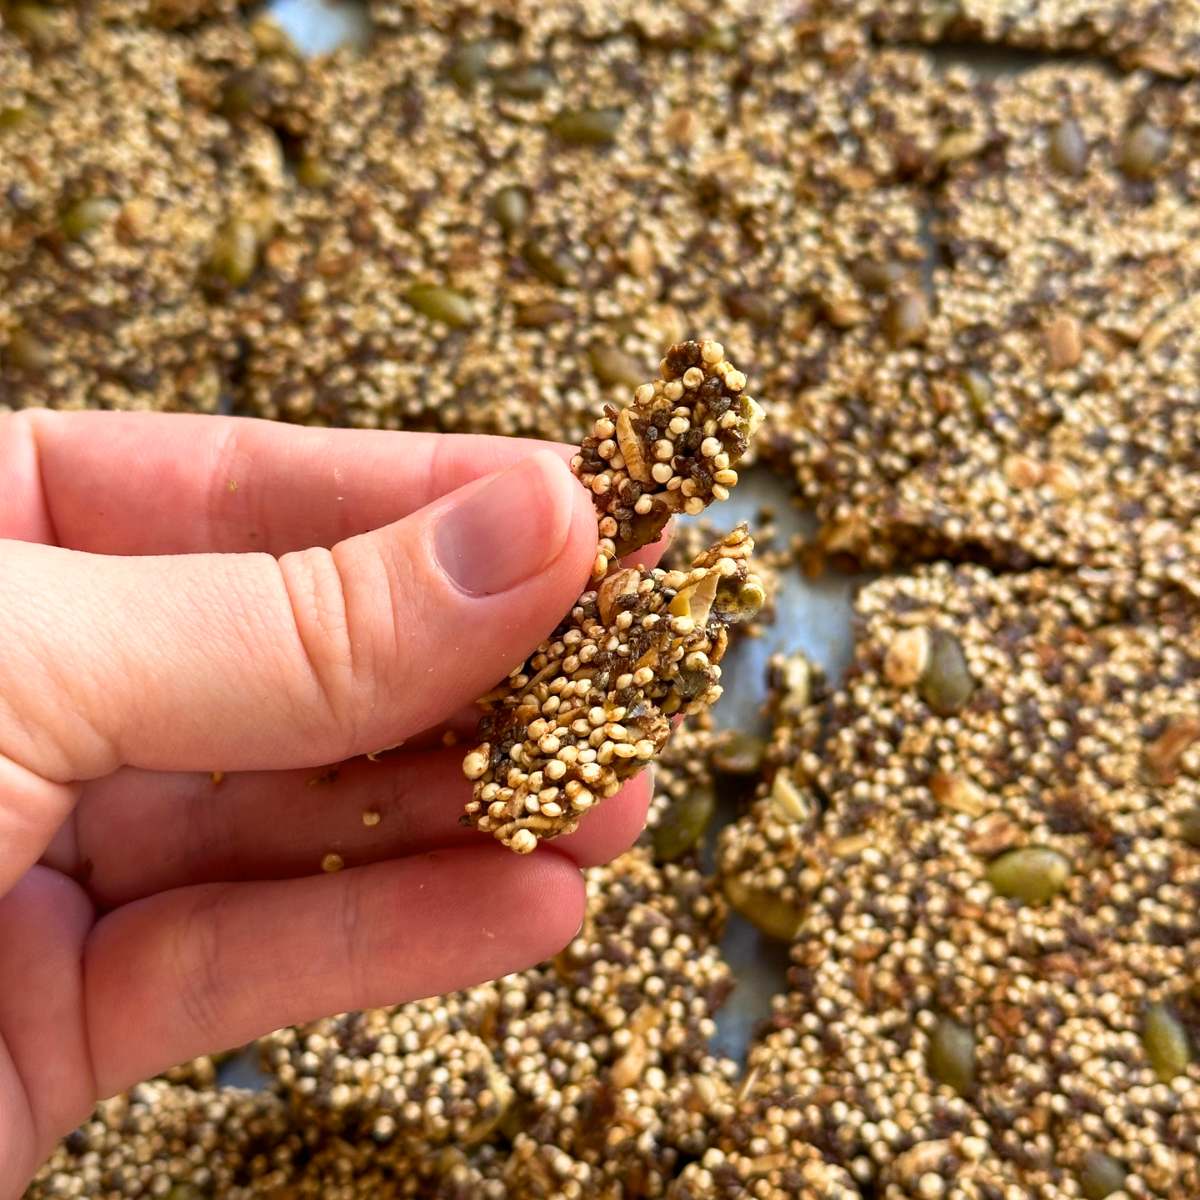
(674, 449)
(593, 704)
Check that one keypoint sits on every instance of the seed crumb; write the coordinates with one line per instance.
(332, 863)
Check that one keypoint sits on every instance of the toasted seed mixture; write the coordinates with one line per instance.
(995, 937)
(592, 705)
(685, 792)
(773, 1167)
(167, 1140)
(1157, 35)
(121, 193)
(1046, 411)
(673, 450)
(588, 1073)
(772, 859)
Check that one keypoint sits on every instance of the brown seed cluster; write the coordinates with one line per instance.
(170, 1140)
(584, 1075)
(1046, 413)
(120, 186)
(993, 887)
(673, 450)
(772, 860)
(592, 705)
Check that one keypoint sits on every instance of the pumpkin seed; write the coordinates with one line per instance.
(682, 825)
(906, 319)
(510, 206)
(1143, 148)
(1166, 1042)
(538, 316)
(587, 126)
(554, 266)
(234, 254)
(613, 367)
(441, 304)
(86, 216)
(951, 1056)
(770, 914)
(26, 350)
(523, 83)
(1031, 874)
(739, 753)
(979, 389)
(470, 63)
(946, 684)
(313, 172)
(1189, 827)
(1067, 150)
(1100, 1176)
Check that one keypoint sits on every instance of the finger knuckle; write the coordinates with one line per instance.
(317, 598)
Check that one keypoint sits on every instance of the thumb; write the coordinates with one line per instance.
(231, 662)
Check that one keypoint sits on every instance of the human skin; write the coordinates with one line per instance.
(183, 595)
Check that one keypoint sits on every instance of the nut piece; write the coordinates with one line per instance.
(1064, 342)
(592, 705)
(672, 450)
(907, 657)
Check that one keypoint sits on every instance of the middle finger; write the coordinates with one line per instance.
(136, 833)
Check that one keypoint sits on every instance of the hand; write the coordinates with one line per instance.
(189, 595)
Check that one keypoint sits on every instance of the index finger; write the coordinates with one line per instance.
(156, 483)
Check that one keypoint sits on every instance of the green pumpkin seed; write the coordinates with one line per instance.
(951, 1056)
(18, 117)
(470, 63)
(613, 367)
(979, 390)
(538, 316)
(313, 172)
(244, 93)
(769, 914)
(554, 266)
(510, 207)
(523, 83)
(878, 277)
(1100, 1175)
(235, 253)
(746, 305)
(1143, 149)
(441, 304)
(1189, 827)
(27, 351)
(1166, 1042)
(86, 216)
(906, 319)
(1031, 874)
(682, 825)
(1067, 149)
(723, 38)
(739, 753)
(946, 684)
(37, 22)
(587, 126)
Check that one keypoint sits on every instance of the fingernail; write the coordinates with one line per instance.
(506, 530)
